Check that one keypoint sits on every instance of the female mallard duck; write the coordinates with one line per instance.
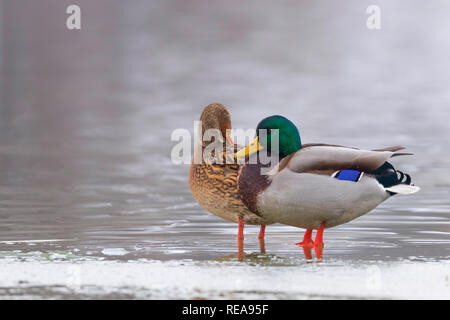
(214, 184)
(316, 186)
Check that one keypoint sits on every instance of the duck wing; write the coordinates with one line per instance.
(323, 157)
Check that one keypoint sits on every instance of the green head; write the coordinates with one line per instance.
(288, 137)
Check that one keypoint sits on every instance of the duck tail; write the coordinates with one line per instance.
(394, 181)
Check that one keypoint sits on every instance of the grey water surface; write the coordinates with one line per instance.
(86, 118)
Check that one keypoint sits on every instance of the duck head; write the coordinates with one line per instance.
(289, 137)
(215, 116)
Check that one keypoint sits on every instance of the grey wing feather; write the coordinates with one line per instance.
(327, 157)
(393, 149)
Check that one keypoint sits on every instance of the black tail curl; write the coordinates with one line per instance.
(388, 176)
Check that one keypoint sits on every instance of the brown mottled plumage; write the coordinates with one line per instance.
(214, 186)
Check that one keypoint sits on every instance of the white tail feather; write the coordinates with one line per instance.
(403, 189)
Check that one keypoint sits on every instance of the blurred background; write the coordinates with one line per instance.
(86, 117)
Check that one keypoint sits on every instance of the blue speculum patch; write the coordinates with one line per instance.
(349, 175)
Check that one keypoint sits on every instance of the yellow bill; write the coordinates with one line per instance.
(253, 147)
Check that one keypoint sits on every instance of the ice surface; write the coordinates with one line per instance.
(232, 279)
(114, 251)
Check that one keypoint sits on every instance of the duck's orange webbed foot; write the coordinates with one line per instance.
(307, 239)
(308, 244)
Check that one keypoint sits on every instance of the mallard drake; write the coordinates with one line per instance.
(214, 185)
(316, 186)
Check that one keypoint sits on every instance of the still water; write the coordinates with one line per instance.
(87, 185)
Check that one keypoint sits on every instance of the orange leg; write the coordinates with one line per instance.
(307, 239)
(262, 245)
(307, 252)
(318, 242)
(319, 252)
(241, 230)
(240, 239)
(262, 231)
